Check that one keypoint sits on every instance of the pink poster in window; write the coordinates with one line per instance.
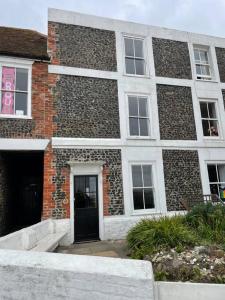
(8, 85)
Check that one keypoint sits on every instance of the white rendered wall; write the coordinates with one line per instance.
(46, 276)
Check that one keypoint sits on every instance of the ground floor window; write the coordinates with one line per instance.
(216, 174)
(143, 189)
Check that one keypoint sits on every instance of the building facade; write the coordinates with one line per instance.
(133, 122)
(138, 121)
(24, 126)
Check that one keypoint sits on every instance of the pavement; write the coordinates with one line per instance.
(116, 248)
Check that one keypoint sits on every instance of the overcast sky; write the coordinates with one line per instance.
(202, 16)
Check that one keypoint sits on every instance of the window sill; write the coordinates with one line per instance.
(147, 138)
(137, 76)
(210, 138)
(207, 80)
(15, 117)
(145, 212)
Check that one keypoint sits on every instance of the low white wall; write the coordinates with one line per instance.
(187, 291)
(117, 227)
(33, 275)
(28, 238)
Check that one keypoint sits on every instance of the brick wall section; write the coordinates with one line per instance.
(4, 197)
(176, 115)
(82, 47)
(35, 127)
(171, 58)
(220, 54)
(57, 180)
(182, 177)
(86, 108)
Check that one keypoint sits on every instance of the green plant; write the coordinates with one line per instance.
(150, 236)
(209, 222)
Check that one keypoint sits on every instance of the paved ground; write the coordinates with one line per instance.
(100, 248)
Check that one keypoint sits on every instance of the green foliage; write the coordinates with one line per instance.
(150, 236)
(209, 222)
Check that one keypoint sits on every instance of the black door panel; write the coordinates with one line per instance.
(86, 208)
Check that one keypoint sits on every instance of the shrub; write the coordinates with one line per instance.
(150, 236)
(209, 222)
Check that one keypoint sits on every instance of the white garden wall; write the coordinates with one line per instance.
(46, 276)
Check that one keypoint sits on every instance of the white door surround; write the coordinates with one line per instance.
(86, 168)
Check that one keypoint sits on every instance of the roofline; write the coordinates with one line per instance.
(32, 57)
(76, 18)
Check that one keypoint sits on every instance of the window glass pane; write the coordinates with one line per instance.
(205, 70)
(143, 107)
(139, 63)
(204, 56)
(79, 184)
(204, 110)
(212, 110)
(213, 128)
(221, 172)
(8, 78)
(214, 189)
(205, 126)
(134, 129)
(212, 173)
(198, 69)
(196, 54)
(137, 176)
(7, 103)
(21, 104)
(138, 46)
(138, 199)
(130, 69)
(147, 175)
(129, 48)
(143, 127)
(92, 184)
(133, 106)
(21, 79)
(149, 198)
(91, 200)
(221, 188)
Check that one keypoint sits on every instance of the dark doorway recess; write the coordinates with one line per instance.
(25, 171)
(86, 208)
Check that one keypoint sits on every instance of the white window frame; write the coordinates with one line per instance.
(215, 101)
(214, 163)
(155, 193)
(143, 38)
(149, 117)
(209, 64)
(24, 64)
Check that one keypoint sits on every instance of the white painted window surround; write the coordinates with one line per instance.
(24, 67)
(139, 119)
(135, 55)
(210, 119)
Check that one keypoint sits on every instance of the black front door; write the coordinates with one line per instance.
(86, 208)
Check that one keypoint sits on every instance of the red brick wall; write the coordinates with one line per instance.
(35, 127)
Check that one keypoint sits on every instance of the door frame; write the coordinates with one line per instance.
(79, 169)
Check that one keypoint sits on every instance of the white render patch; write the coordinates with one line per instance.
(43, 236)
(33, 275)
(187, 291)
(75, 18)
(23, 144)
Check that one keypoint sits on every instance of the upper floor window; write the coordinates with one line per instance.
(143, 188)
(134, 56)
(14, 92)
(139, 121)
(210, 123)
(202, 63)
(216, 174)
